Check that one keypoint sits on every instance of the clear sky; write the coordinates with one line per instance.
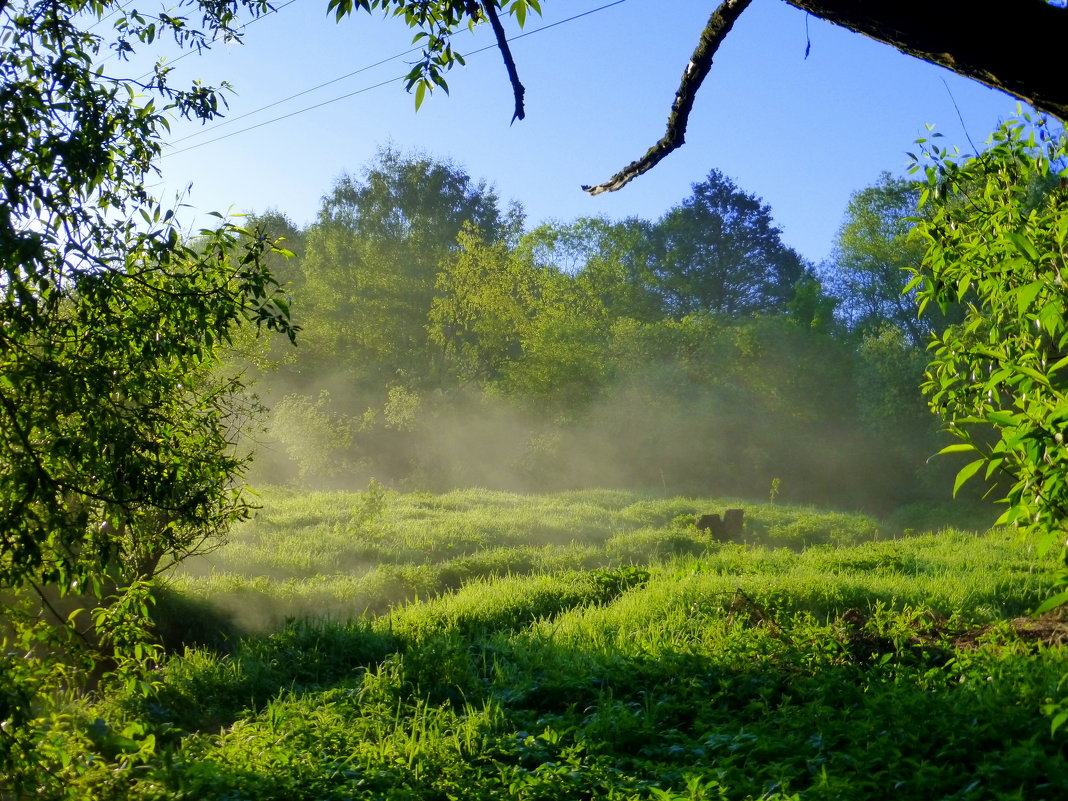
(802, 134)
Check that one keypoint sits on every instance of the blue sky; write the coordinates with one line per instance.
(802, 134)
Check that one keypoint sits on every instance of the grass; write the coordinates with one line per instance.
(340, 555)
(606, 652)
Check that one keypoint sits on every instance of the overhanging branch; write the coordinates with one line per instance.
(1007, 46)
(509, 63)
(716, 30)
(1009, 51)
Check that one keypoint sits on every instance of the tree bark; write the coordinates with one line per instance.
(1013, 50)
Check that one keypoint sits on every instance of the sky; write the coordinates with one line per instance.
(801, 133)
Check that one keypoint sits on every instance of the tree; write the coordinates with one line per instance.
(373, 256)
(534, 331)
(117, 446)
(485, 297)
(994, 245)
(614, 260)
(873, 255)
(1000, 55)
(720, 252)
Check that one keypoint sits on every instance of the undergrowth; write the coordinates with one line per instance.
(826, 658)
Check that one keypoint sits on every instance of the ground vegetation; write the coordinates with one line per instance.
(591, 644)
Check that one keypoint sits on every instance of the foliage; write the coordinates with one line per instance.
(532, 331)
(117, 443)
(456, 350)
(811, 307)
(317, 437)
(371, 261)
(108, 315)
(873, 255)
(997, 243)
(614, 260)
(720, 252)
(436, 22)
(486, 296)
(738, 674)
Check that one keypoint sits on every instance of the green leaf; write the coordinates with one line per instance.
(1060, 364)
(1000, 418)
(959, 447)
(1026, 295)
(420, 93)
(1022, 244)
(1032, 373)
(1060, 599)
(1058, 720)
(1052, 317)
(993, 465)
(965, 473)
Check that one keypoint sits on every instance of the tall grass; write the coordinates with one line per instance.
(618, 654)
(328, 555)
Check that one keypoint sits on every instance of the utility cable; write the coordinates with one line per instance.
(232, 120)
(358, 91)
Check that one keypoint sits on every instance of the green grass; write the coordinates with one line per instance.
(592, 645)
(342, 554)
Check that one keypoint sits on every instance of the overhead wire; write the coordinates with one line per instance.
(356, 92)
(232, 120)
(118, 7)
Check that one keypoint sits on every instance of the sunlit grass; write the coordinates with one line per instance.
(339, 555)
(491, 645)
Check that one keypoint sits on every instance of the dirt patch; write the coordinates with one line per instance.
(933, 631)
(1050, 629)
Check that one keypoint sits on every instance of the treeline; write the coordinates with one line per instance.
(443, 344)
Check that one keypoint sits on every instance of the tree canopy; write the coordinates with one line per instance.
(718, 251)
(872, 257)
(117, 442)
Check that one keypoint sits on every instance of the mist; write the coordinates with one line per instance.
(443, 347)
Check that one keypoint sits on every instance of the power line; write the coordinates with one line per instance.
(232, 120)
(358, 91)
(118, 7)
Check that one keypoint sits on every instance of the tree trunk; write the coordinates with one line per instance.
(1013, 50)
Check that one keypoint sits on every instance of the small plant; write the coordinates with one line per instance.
(776, 483)
(371, 504)
(620, 579)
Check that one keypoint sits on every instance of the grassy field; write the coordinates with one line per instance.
(590, 645)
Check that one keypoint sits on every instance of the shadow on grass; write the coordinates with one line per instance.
(495, 708)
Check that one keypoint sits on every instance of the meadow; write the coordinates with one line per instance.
(589, 645)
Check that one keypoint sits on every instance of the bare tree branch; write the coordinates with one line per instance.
(502, 43)
(716, 30)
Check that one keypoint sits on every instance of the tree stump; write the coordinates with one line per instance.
(733, 520)
(714, 525)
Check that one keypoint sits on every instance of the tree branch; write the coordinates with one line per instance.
(502, 43)
(716, 30)
(1000, 53)
(1004, 49)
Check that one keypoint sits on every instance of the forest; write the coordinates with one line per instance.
(413, 502)
(443, 345)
